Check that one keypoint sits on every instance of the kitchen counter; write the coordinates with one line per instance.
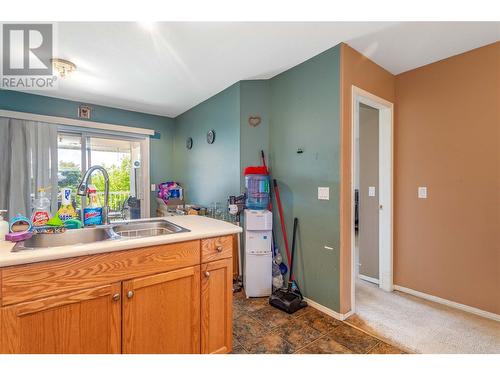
(200, 227)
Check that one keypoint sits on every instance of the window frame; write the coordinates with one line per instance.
(145, 152)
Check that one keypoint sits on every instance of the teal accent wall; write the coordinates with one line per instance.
(300, 108)
(254, 101)
(209, 172)
(161, 163)
(305, 113)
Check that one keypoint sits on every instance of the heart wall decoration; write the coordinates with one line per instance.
(254, 121)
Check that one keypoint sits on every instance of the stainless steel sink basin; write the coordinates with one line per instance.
(70, 237)
(116, 231)
(147, 228)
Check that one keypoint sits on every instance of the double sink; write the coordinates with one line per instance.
(115, 231)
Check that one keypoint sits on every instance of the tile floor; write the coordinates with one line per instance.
(261, 329)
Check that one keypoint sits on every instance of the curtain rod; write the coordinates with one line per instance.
(75, 122)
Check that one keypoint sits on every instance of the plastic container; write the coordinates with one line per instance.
(92, 214)
(257, 188)
(41, 209)
(4, 226)
(66, 211)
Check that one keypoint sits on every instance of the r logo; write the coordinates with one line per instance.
(27, 49)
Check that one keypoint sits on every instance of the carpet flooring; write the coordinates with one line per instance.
(422, 326)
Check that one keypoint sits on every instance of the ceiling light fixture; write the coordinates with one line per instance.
(63, 67)
(147, 25)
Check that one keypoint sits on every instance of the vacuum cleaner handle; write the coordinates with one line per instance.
(295, 222)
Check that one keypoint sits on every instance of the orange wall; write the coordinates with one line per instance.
(447, 137)
(359, 71)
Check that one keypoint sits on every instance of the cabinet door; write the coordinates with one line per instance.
(216, 307)
(161, 313)
(86, 321)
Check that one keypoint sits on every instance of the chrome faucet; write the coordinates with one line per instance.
(84, 185)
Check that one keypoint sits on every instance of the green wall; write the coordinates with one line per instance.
(300, 108)
(305, 113)
(254, 101)
(161, 163)
(209, 172)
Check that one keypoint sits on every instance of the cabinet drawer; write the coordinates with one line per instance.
(216, 248)
(38, 280)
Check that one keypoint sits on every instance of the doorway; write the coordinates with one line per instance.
(372, 186)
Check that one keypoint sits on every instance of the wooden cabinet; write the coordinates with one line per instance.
(174, 298)
(86, 321)
(216, 248)
(216, 307)
(161, 313)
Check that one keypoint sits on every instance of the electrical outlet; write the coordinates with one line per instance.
(422, 192)
(324, 193)
(371, 191)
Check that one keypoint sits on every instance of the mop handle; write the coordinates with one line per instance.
(283, 228)
(270, 205)
(263, 158)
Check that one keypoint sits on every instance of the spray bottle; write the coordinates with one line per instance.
(41, 209)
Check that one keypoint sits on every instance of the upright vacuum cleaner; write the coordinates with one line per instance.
(290, 299)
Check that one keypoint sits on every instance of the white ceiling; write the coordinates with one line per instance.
(167, 68)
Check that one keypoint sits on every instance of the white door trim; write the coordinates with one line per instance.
(386, 152)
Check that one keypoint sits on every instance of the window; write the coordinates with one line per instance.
(121, 156)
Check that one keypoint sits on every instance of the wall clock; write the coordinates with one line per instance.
(211, 136)
(189, 143)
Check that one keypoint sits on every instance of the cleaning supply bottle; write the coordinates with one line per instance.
(92, 214)
(4, 226)
(66, 211)
(41, 209)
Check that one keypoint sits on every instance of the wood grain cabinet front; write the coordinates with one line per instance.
(216, 307)
(216, 248)
(161, 313)
(82, 322)
(149, 300)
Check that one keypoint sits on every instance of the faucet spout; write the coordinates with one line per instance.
(83, 187)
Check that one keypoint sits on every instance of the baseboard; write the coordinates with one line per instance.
(328, 311)
(369, 279)
(456, 305)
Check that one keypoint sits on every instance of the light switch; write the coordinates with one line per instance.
(324, 193)
(371, 191)
(422, 192)
(153, 187)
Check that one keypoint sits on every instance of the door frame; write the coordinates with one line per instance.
(386, 185)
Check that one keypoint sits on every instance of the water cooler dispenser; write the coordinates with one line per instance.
(257, 275)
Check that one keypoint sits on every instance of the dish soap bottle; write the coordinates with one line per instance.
(4, 226)
(41, 209)
(92, 214)
(66, 211)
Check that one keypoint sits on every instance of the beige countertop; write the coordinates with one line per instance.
(199, 226)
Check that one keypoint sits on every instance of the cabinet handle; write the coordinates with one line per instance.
(130, 293)
(219, 248)
(116, 297)
(207, 274)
